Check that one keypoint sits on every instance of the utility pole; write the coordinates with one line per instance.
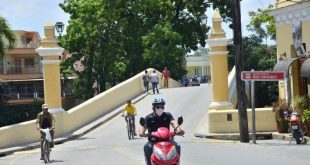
(239, 62)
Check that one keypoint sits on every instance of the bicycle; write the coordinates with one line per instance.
(130, 127)
(47, 139)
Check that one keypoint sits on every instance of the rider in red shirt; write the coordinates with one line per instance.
(166, 76)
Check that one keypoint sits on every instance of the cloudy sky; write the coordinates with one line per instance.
(31, 15)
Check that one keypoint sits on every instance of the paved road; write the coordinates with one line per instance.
(108, 144)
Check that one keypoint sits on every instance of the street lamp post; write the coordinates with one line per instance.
(204, 19)
(59, 28)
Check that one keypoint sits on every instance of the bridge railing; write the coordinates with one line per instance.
(69, 121)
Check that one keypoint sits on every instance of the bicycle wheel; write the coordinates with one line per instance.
(46, 151)
(132, 134)
(128, 130)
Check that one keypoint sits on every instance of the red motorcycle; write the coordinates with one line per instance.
(164, 149)
(297, 132)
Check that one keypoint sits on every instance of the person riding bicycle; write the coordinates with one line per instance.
(131, 111)
(158, 118)
(45, 120)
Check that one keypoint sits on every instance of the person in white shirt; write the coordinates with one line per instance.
(154, 81)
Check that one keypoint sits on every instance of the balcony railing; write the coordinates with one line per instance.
(32, 44)
(18, 70)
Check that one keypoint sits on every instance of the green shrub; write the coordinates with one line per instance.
(306, 118)
(12, 114)
(301, 103)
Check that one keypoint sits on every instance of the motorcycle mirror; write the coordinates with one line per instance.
(142, 121)
(180, 120)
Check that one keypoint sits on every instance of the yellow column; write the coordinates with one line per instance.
(219, 65)
(50, 53)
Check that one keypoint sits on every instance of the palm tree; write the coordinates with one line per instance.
(5, 33)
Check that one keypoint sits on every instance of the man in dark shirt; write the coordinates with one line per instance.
(158, 118)
(45, 120)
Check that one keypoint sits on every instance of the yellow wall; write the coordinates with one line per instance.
(284, 40)
(306, 39)
(265, 121)
(284, 3)
(218, 75)
(79, 116)
(306, 33)
(52, 85)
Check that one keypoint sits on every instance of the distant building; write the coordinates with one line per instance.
(21, 69)
(198, 64)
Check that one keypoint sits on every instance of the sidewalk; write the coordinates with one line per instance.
(203, 132)
(76, 134)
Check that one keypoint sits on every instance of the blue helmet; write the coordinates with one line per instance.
(157, 101)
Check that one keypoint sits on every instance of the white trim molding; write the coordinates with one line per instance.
(55, 110)
(57, 51)
(292, 13)
(212, 32)
(220, 104)
(212, 53)
(50, 61)
(217, 19)
(217, 42)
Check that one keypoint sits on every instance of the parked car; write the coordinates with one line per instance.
(195, 81)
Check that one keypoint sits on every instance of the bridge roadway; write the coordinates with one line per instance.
(108, 144)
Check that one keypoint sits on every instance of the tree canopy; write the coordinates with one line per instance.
(259, 58)
(116, 39)
(262, 24)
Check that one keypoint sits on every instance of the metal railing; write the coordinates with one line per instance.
(13, 70)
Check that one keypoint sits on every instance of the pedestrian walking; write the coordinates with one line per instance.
(185, 81)
(146, 80)
(154, 80)
(165, 75)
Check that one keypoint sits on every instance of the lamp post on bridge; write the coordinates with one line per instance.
(51, 53)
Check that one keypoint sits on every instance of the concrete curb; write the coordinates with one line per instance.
(76, 134)
(259, 136)
(234, 136)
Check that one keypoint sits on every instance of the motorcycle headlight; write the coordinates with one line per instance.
(162, 156)
(172, 153)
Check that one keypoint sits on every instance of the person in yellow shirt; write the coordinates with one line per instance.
(130, 111)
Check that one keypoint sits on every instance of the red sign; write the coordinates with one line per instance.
(262, 76)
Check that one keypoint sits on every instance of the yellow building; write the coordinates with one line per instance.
(293, 47)
(22, 70)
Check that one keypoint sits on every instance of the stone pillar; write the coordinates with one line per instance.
(219, 66)
(51, 53)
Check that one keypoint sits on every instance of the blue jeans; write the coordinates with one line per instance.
(148, 150)
(154, 86)
(146, 86)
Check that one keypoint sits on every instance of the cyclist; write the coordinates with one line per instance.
(131, 110)
(158, 118)
(45, 120)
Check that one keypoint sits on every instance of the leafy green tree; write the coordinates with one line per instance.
(117, 39)
(262, 24)
(259, 58)
(5, 33)
(225, 7)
